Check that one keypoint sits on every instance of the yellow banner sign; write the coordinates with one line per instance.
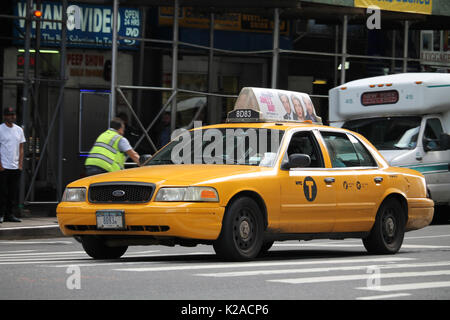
(411, 6)
(228, 21)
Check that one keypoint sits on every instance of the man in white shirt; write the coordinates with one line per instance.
(12, 140)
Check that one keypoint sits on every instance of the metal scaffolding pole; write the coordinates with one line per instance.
(141, 63)
(210, 66)
(405, 47)
(344, 48)
(394, 36)
(176, 11)
(59, 184)
(25, 95)
(336, 50)
(114, 59)
(276, 47)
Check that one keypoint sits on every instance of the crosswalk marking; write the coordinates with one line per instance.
(325, 269)
(18, 255)
(385, 296)
(259, 264)
(409, 286)
(349, 245)
(362, 277)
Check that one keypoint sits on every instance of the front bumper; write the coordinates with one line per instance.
(201, 221)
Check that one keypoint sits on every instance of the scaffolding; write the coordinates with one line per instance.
(275, 53)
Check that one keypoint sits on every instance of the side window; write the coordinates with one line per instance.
(433, 130)
(347, 151)
(365, 158)
(304, 142)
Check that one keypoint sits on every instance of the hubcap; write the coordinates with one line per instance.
(244, 233)
(389, 226)
(244, 230)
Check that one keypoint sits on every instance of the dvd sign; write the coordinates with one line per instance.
(88, 26)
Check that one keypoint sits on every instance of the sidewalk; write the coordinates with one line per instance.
(30, 228)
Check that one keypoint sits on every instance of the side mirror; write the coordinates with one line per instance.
(143, 159)
(297, 160)
(444, 141)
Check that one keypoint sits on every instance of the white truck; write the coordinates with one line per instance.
(407, 117)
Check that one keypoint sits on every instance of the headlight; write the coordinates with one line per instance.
(74, 195)
(187, 194)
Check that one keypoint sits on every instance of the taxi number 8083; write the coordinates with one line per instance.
(243, 113)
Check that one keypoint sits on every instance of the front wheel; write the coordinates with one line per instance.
(386, 236)
(241, 237)
(96, 248)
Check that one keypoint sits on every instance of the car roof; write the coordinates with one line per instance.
(279, 125)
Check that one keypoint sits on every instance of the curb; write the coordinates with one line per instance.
(33, 232)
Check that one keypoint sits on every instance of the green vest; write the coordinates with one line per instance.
(105, 152)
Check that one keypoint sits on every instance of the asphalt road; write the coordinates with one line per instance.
(321, 269)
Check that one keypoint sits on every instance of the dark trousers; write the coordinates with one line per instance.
(93, 170)
(9, 191)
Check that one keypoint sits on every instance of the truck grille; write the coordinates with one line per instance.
(120, 192)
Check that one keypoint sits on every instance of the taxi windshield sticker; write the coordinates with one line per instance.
(278, 105)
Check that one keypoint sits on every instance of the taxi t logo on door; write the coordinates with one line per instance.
(309, 189)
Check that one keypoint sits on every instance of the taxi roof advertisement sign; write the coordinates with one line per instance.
(411, 6)
(278, 105)
(95, 26)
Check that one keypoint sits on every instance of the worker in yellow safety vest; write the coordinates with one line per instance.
(108, 152)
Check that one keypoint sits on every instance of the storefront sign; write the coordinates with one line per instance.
(95, 26)
(411, 6)
(190, 18)
(438, 58)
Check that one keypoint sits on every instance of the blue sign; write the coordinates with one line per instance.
(95, 26)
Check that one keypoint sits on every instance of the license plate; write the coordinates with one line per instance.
(110, 219)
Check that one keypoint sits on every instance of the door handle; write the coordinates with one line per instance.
(378, 179)
(329, 180)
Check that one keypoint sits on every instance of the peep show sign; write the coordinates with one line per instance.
(95, 26)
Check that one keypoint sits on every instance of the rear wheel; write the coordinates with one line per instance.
(96, 248)
(386, 236)
(241, 237)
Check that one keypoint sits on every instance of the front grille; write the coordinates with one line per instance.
(120, 192)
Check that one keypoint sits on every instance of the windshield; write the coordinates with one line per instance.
(388, 133)
(241, 146)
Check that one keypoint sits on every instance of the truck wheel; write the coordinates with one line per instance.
(96, 248)
(386, 236)
(241, 237)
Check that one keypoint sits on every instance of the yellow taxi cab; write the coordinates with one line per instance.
(272, 172)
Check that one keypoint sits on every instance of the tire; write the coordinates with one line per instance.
(96, 248)
(386, 236)
(265, 247)
(241, 236)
